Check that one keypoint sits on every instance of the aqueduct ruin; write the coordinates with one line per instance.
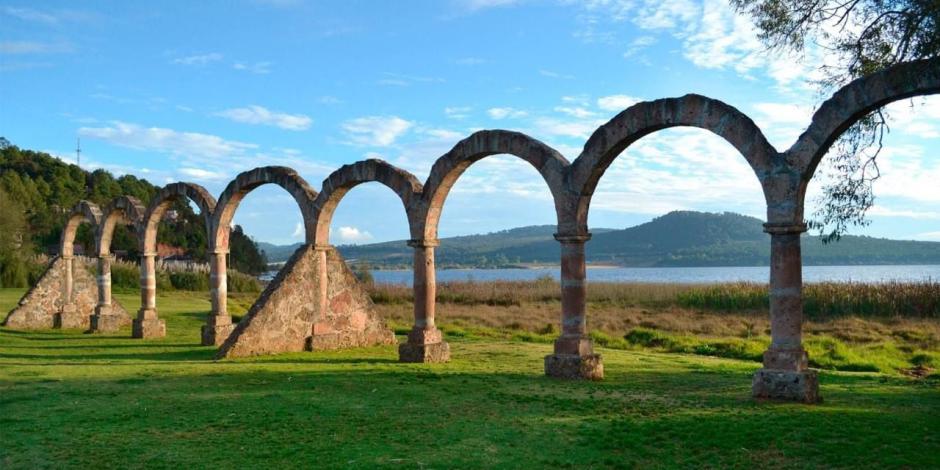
(316, 303)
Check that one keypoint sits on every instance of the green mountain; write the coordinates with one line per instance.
(680, 238)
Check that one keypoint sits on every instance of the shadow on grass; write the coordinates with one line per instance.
(193, 353)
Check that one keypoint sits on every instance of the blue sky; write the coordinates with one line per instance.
(200, 91)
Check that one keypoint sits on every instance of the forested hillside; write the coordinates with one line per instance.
(681, 238)
(37, 191)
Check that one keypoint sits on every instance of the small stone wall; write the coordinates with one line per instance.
(287, 316)
(39, 308)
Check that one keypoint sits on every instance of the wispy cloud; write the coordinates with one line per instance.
(29, 14)
(398, 79)
(378, 131)
(575, 111)
(255, 114)
(45, 16)
(165, 140)
(258, 68)
(638, 45)
(616, 102)
(553, 74)
(505, 112)
(476, 5)
(198, 59)
(457, 112)
(33, 47)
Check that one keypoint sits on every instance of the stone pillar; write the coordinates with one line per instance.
(147, 325)
(574, 356)
(219, 324)
(425, 342)
(67, 316)
(104, 320)
(322, 333)
(785, 374)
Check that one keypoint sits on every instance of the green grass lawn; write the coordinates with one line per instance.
(74, 400)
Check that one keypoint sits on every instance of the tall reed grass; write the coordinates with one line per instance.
(821, 300)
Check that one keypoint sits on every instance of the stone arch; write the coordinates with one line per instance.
(853, 102)
(335, 187)
(642, 119)
(84, 211)
(550, 164)
(126, 209)
(162, 201)
(246, 182)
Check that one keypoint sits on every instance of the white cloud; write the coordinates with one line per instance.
(166, 140)
(637, 45)
(557, 127)
(680, 168)
(379, 131)
(616, 102)
(928, 236)
(199, 59)
(202, 175)
(258, 68)
(475, 5)
(32, 47)
(506, 112)
(48, 17)
(255, 114)
(353, 235)
(574, 111)
(29, 14)
(553, 74)
(782, 113)
(299, 231)
(457, 112)
(882, 211)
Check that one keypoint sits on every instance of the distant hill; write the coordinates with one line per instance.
(680, 238)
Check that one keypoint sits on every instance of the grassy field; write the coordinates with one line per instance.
(74, 400)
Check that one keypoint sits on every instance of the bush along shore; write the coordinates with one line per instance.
(892, 328)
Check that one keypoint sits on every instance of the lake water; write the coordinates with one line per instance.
(681, 275)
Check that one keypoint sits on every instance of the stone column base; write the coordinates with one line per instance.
(573, 366)
(216, 335)
(148, 328)
(424, 353)
(105, 323)
(789, 385)
(69, 317)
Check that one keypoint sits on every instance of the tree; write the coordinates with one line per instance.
(14, 248)
(865, 36)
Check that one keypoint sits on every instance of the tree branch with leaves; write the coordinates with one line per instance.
(864, 37)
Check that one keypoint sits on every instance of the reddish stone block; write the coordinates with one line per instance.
(573, 366)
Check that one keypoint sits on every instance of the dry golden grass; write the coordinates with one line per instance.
(618, 308)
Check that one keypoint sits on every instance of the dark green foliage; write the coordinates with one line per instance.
(47, 188)
(14, 244)
(244, 254)
(189, 281)
(126, 277)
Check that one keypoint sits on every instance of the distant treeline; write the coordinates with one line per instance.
(37, 192)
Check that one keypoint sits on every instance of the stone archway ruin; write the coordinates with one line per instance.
(148, 324)
(290, 316)
(125, 210)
